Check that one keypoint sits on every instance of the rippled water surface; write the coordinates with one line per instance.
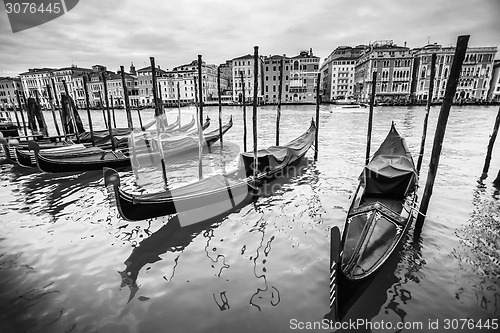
(69, 263)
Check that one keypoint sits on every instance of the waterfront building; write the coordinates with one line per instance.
(226, 74)
(145, 84)
(34, 82)
(178, 85)
(337, 72)
(475, 77)
(8, 87)
(184, 76)
(115, 89)
(245, 65)
(304, 70)
(393, 65)
(494, 91)
(272, 66)
(208, 76)
(73, 76)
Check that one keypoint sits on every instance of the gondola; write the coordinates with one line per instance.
(378, 218)
(96, 158)
(213, 195)
(26, 157)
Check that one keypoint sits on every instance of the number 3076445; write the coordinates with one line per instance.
(33, 8)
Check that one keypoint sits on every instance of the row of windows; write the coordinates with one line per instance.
(342, 81)
(344, 75)
(396, 87)
(344, 62)
(275, 88)
(6, 85)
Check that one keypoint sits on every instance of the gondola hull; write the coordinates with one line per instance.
(216, 195)
(80, 164)
(221, 200)
(378, 218)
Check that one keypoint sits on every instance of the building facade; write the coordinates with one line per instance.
(272, 66)
(475, 77)
(145, 84)
(304, 69)
(8, 88)
(393, 65)
(35, 81)
(337, 72)
(73, 76)
(245, 65)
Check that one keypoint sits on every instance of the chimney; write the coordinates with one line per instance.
(311, 51)
(132, 69)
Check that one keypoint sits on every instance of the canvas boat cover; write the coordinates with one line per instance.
(391, 172)
(275, 156)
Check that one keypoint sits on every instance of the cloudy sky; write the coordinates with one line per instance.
(118, 32)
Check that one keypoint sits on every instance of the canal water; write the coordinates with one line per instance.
(69, 263)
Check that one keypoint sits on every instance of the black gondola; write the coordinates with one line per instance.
(96, 158)
(213, 195)
(378, 218)
(26, 157)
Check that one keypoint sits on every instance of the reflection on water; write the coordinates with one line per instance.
(62, 242)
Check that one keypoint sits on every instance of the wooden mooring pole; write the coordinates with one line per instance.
(318, 102)
(254, 116)
(39, 115)
(59, 107)
(71, 112)
(451, 88)
(244, 112)
(111, 98)
(103, 76)
(200, 132)
(159, 120)
(200, 89)
(22, 114)
(103, 111)
(493, 137)
(427, 111)
(87, 105)
(17, 117)
(220, 108)
(370, 119)
(51, 101)
(278, 111)
(179, 103)
(125, 98)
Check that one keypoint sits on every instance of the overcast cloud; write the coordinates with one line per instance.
(118, 32)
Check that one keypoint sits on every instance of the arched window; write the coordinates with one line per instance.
(296, 65)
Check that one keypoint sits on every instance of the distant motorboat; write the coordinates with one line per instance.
(348, 106)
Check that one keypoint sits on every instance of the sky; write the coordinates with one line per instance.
(119, 32)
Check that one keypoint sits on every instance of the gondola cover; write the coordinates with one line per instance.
(391, 169)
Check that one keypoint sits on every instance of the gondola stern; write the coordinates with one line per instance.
(111, 177)
(335, 248)
(33, 145)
